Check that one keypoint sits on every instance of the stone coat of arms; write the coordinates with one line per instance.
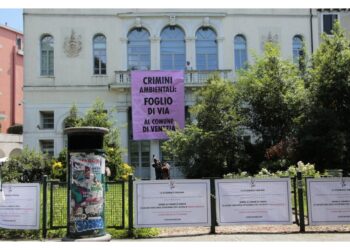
(72, 45)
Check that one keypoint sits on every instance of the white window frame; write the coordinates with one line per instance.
(48, 150)
(234, 52)
(47, 69)
(140, 54)
(297, 59)
(93, 56)
(207, 54)
(44, 124)
(329, 13)
(172, 54)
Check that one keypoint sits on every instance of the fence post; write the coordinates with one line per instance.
(295, 199)
(212, 206)
(301, 202)
(44, 206)
(131, 204)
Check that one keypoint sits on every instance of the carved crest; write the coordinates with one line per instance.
(172, 20)
(138, 22)
(206, 22)
(72, 45)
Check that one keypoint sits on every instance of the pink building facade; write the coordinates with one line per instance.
(11, 78)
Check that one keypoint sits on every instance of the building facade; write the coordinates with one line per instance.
(78, 55)
(10, 145)
(11, 77)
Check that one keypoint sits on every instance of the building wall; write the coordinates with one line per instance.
(74, 82)
(10, 145)
(343, 17)
(11, 78)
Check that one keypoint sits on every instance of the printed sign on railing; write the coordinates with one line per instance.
(21, 207)
(172, 203)
(328, 201)
(253, 201)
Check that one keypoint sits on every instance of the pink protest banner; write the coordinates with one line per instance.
(158, 103)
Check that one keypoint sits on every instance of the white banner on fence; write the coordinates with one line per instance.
(21, 208)
(328, 201)
(253, 201)
(171, 203)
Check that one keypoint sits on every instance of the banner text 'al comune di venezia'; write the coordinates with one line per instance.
(157, 103)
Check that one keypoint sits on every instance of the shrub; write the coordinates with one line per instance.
(16, 129)
(29, 166)
(58, 170)
(125, 171)
(306, 170)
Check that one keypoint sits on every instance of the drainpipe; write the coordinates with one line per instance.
(13, 87)
(312, 33)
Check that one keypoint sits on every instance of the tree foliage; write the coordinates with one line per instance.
(271, 96)
(325, 134)
(207, 147)
(271, 100)
(98, 116)
(29, 166)
(73, 119)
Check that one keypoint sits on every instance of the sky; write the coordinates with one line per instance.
(13, 18)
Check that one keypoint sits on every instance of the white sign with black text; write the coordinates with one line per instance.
(253, 201)
(171, 203)
(328, 201)
(21, 208)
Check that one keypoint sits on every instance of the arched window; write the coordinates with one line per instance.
(172, 49)
(240, 46)
(47, 55)
(206, 49)
(139, 49)
(297, 48)
(100, 55)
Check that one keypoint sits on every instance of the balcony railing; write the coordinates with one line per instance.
(193, 78)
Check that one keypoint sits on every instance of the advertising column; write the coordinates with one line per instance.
(86, 170)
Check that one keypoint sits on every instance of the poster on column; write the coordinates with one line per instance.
(86, 193)
(157, 103)
(253, 201)
(172, 203)
(21, 207)
(328, 201)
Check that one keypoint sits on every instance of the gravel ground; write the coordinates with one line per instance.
(248, 229)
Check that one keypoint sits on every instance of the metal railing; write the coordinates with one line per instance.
(193, 78)
(119, 201)
(55, 205)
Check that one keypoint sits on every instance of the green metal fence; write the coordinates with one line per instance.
(119, 204)
(55, 205)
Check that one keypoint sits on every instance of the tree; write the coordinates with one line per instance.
(207, 147)
(98, 116)
(272, 97)
(325, 135)
(73, 119)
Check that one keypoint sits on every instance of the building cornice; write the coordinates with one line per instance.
(11, 29)
(34, 88)
(167, 14)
